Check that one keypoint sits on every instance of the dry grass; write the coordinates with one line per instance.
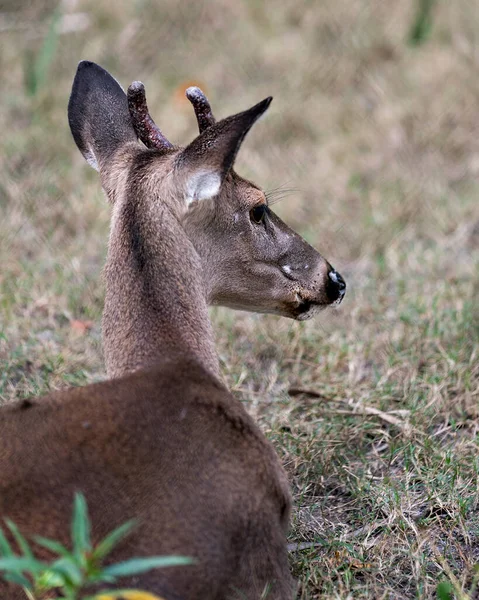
(381, 142)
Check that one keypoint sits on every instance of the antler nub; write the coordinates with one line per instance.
(202, 108)
(145, 128)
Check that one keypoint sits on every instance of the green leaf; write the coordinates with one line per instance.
(68, 569)
(5, 549)
(80, 529)
(444, 590)
(21, 541)
(111, 540)
(135, 566)
(49, 580)
(53, 546)
(21, 563)
(19, 579)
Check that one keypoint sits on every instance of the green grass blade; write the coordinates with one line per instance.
(19, 579)
(80, 528)
(21, 541)
(136, 566)
(5, 549)
(421, 28)
(47, 51)
(53, 546)
(29, 76)
(21, 563)
(112, 539)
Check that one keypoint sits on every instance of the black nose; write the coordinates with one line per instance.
(336, 286)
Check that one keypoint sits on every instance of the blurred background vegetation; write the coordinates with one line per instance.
(373, 136)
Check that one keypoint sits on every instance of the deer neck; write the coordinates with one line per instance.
(155, 304)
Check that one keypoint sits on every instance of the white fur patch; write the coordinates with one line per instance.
(286, 269)
(202, 185)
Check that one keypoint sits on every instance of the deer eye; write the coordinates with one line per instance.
(258, 213)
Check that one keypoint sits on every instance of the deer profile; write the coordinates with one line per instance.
(247, 256)
(167, 445)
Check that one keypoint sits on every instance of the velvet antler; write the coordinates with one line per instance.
(202, 108)
(146, 129)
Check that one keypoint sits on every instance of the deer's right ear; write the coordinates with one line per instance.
(205, 163)
(98, 114)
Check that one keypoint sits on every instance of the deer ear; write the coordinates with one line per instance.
(98, 114)
(208, 159)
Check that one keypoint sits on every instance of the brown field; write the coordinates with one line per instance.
(375, 144)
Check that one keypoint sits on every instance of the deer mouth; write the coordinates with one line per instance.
(306, 308)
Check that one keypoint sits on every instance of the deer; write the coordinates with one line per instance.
(163, 441)
(249, 259)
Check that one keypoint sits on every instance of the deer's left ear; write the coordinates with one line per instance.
(98, 114)
(205, 163)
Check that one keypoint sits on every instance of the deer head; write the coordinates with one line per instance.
(281, 272)
(251, 260)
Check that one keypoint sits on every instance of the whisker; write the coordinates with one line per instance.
(279, 187)
(275, 196)
(275, 200)
(273, 193)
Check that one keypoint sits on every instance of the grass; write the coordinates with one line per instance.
(379, 140)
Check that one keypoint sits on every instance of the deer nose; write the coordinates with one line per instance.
(336, 287)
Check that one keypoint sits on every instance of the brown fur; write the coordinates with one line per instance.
(171, 448)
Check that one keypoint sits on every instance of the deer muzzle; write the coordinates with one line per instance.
(310, 300)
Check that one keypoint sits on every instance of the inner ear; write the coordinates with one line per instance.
(202, 185)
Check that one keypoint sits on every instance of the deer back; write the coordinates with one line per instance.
(170, 448)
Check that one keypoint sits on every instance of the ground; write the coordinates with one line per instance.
(374, 144)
